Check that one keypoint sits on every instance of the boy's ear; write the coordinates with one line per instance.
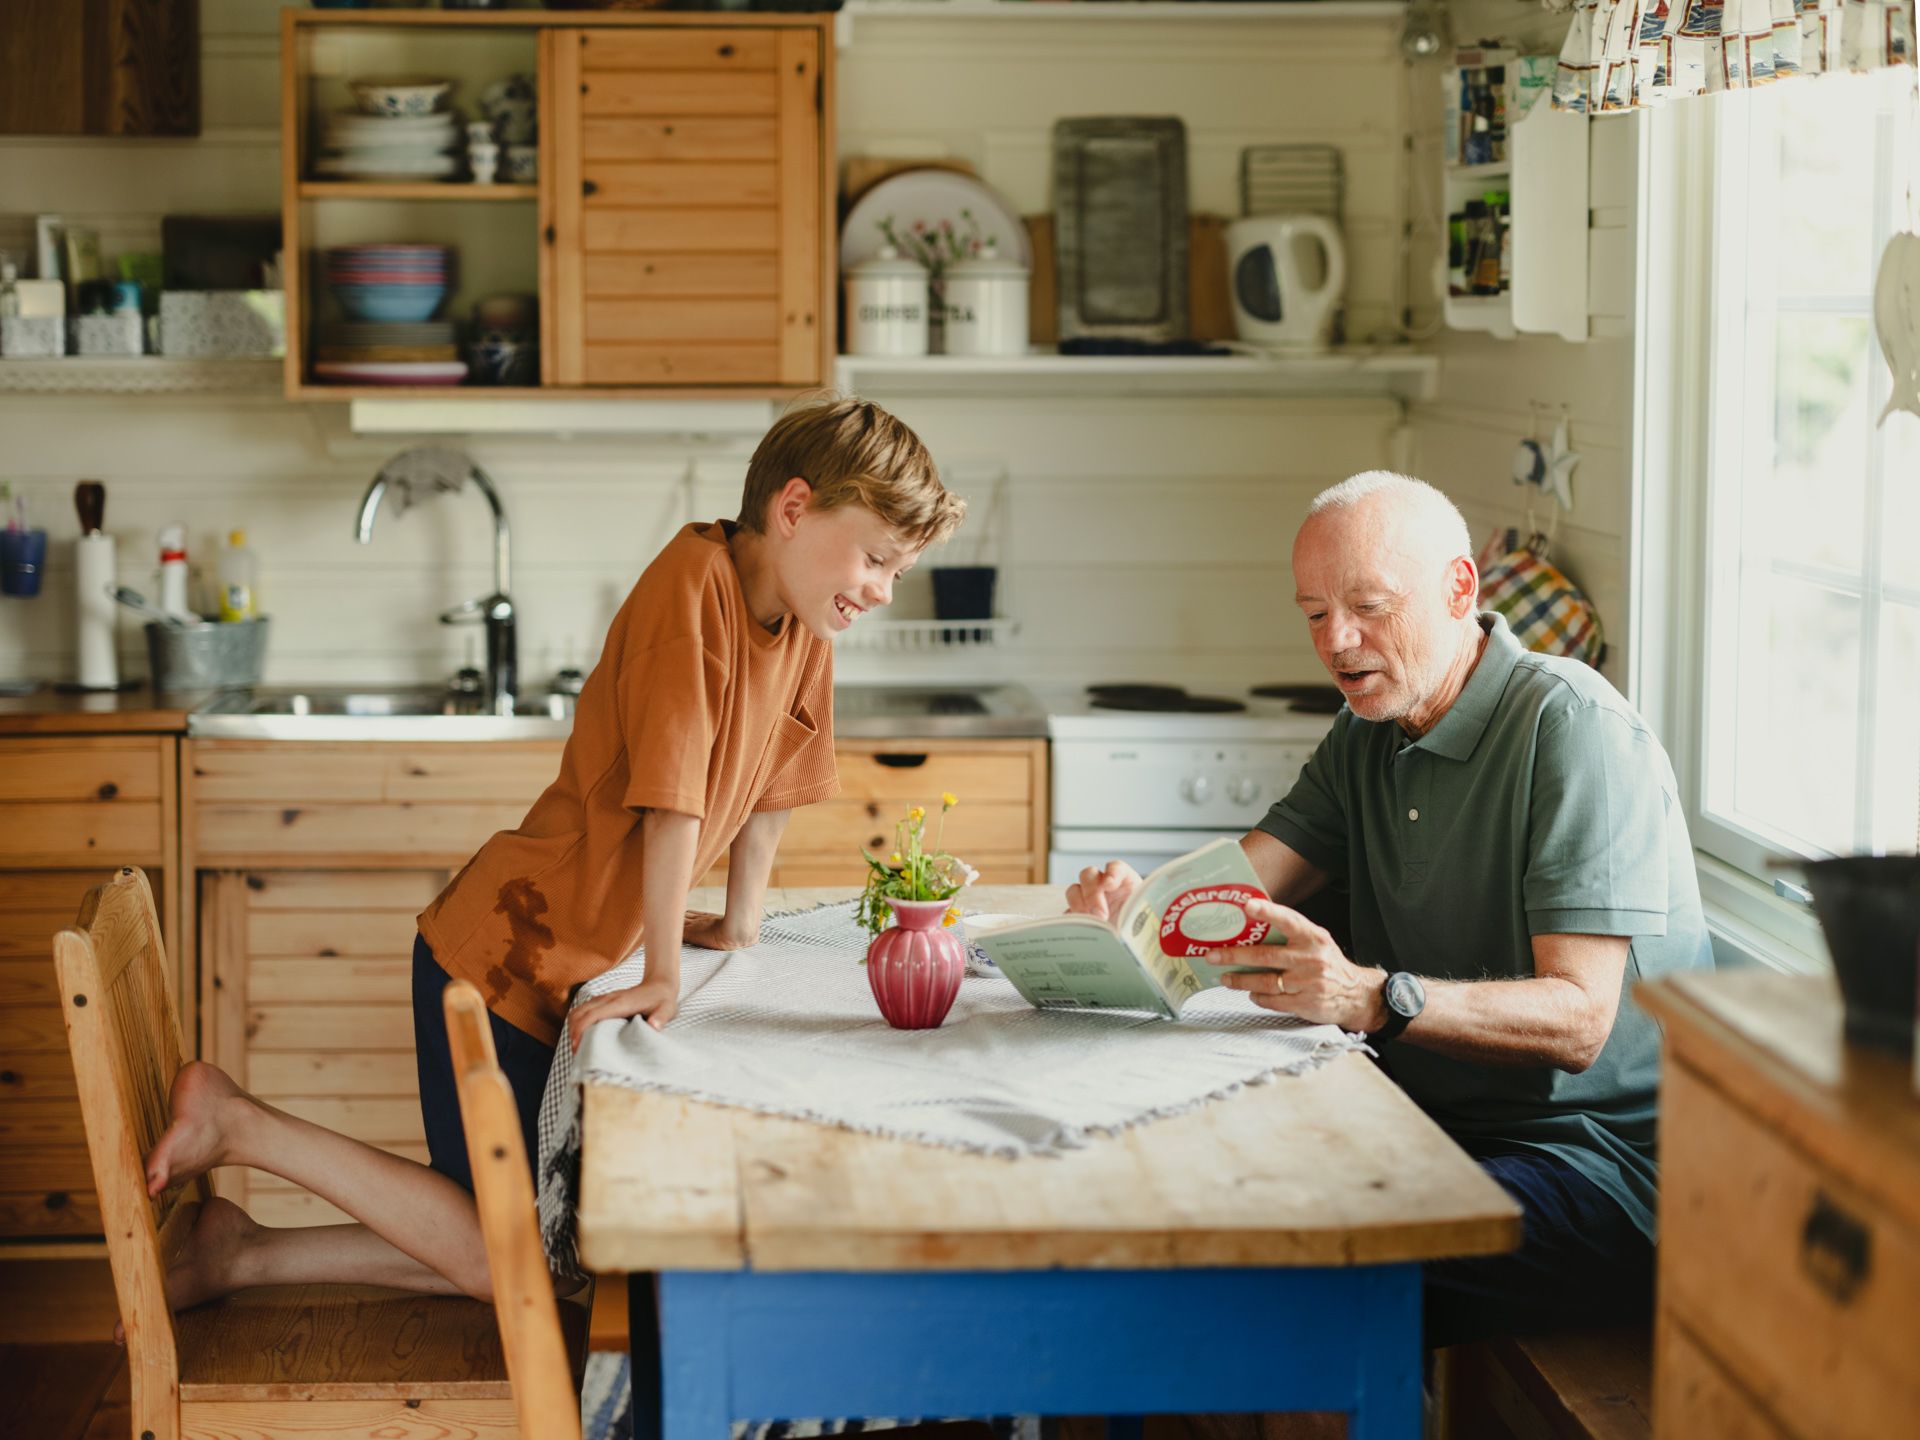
(789, 503)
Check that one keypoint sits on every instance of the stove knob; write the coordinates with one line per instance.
(1243, 790)
(1198, 789)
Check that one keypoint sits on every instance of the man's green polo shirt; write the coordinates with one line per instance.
(1540, 804)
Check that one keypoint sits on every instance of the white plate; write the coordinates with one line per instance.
(392, 369)
(382, 164)
(391, 124)
(932, 196)
(375, 140)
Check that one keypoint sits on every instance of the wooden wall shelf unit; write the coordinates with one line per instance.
(680, 236)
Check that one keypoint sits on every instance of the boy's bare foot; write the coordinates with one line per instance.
(210, 1264)
(206, 1106)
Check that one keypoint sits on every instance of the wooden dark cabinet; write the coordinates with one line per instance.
(100, 67)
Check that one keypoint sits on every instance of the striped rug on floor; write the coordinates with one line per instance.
(606, 1412)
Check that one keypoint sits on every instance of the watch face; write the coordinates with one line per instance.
(1405, 995)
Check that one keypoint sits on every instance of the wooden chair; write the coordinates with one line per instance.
(334, 1361)
(544, 1368)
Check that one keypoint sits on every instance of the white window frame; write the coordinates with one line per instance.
(1686, 153)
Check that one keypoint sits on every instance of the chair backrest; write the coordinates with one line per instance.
(123, 1032)
(544, 1396)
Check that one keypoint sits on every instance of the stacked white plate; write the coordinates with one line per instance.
(373, 334)
(389, 147)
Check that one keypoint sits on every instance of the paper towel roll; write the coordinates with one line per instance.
(96, 614)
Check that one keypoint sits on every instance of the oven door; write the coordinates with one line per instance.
(1145, 850)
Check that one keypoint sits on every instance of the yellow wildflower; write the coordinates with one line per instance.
(894, 859)
(916, 814)
(951, 918)
(948, 800)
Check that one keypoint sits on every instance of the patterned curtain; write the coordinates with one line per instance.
(1626, 53)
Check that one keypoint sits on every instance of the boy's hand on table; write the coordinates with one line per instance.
(719, 932)
(656, 1000)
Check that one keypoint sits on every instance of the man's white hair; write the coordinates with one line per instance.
(1434, 519)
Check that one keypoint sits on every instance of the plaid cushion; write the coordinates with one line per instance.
(1545, 610)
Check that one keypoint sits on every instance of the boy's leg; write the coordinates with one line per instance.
(228, 1251)
(409, 1208)
(420, 1231)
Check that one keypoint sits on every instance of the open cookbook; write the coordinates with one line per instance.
(1148, 957)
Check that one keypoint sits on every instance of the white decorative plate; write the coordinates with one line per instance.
(932, 196)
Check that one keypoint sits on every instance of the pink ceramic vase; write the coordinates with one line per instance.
(915, 965)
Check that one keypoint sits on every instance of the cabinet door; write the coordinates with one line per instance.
(687, 200)
(308, 1002)
(72, 808)
(46, 1179)
(999, 827)
(111, 67)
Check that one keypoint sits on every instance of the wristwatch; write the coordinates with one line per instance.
(1405, 998)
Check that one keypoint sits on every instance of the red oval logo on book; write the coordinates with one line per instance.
(1210, 918)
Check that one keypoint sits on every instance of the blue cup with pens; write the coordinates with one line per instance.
(23, 550)
(23, 559)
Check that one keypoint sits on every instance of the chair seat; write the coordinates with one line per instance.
(350, 1342)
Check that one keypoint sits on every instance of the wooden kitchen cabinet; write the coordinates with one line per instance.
(308, 1002)
(688, 214)
(1789, 1256)
(313, 861)
(999, 826)
(110, 67)
(679, 235)
(72, 809)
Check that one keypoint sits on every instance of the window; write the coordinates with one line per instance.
(1807, 668)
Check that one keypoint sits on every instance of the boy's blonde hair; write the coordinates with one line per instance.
(851, 451)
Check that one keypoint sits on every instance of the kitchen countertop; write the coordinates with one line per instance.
(861, 712)
(48, 711)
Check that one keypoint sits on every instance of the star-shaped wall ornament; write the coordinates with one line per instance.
(1558, 481)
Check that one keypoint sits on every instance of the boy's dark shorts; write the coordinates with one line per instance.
(524, 1059)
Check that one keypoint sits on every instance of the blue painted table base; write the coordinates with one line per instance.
(721, 1346)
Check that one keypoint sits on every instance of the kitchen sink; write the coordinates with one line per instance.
(861, 712)
(382, 704)
(365, 713)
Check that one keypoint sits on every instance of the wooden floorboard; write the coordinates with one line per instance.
(113, 1420)
(55, 1392)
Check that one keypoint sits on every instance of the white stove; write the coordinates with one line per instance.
(1145, 786)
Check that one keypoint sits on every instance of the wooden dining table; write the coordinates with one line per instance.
(1260, 1253)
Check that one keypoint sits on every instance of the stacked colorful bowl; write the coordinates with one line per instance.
(391, 284)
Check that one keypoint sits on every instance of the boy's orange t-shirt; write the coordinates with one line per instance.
(696, 707)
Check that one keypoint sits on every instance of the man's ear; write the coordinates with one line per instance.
(1463, 587)
(789, 503)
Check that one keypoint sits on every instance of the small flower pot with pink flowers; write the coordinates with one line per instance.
(915, 961)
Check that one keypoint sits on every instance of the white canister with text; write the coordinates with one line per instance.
(986, 306)
(887, 305)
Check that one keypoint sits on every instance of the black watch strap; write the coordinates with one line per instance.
(1404, 997)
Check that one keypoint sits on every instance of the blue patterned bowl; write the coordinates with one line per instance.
(406, 95)
(391, 304)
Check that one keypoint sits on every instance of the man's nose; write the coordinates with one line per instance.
(1342, 634)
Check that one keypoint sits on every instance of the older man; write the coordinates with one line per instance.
(1510, 838)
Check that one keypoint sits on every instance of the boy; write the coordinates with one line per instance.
(707, 719)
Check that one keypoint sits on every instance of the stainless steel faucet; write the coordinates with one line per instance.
(419, 474)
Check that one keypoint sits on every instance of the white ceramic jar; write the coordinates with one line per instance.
(986, 306)
(887, 305)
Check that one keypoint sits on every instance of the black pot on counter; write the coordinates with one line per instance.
(1869, 908)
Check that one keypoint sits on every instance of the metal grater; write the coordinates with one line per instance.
(1293, 180)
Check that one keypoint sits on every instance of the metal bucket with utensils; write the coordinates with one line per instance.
(207, 656)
